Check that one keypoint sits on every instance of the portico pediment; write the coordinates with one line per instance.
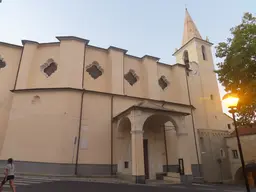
(150, 108)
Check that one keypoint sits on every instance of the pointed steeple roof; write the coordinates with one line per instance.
(190, 29)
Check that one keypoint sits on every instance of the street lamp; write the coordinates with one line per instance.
(231, 101)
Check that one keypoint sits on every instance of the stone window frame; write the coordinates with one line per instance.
(133, 74)
(97, 66)
(235, 154)
(126, 164)
(2, 63)
(47, 64)
(163, 79)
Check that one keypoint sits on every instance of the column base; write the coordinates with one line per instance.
(140, 179)
(186, 179)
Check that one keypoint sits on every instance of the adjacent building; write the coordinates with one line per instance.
(69, 107)
(248, 142)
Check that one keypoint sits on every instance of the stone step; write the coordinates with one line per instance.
(198, 180)
(172, 179)
(173, 174)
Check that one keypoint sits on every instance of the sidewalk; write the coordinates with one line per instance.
(113, 179)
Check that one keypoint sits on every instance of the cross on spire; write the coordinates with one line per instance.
(190, 29)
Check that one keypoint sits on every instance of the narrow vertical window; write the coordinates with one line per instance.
(186, 57)
(222, 153)
(126, 164)
(235, 154)
(203, 52)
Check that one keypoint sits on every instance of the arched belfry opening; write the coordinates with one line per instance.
(186, 61)
(203, 52)
(185, 57)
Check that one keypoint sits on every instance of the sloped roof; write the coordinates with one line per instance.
(190, 29)
(245, 130)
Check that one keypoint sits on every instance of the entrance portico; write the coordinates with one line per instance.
(143, 143)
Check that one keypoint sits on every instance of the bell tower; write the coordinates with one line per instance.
(195, 52)
(209, 123)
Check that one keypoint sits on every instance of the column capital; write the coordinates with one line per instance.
(137, 132)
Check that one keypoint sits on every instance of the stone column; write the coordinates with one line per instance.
(137, 119)
(184, 149)
(138, 169)
(184, 153)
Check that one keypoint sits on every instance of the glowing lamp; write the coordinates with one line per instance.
(230, 100)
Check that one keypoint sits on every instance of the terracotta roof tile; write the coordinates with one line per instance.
(245, 130)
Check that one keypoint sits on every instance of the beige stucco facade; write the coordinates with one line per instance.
(57, 118)
(248, 143)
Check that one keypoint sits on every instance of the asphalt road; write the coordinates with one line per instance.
(75, 186)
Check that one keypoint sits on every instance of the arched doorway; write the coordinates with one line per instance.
(239, 178)
(250, 169)
(123, 147)
(159, 145)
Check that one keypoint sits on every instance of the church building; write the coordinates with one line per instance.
(71, 108)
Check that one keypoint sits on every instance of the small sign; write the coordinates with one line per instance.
(84, 144)
(181, 166)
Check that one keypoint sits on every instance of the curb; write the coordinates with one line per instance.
(64, 176)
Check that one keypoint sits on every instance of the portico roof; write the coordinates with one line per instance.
(149, 106)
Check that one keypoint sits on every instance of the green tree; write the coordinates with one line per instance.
(237, 72)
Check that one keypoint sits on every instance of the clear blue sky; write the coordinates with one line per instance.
(141, 26)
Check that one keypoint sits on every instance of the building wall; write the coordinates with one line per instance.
(116, 64)
(96, 130)
(211, 143)
(248, 145)
(69, 65)
(42, 127)
(29, 109)
(11, 56)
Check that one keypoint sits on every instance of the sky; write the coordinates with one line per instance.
(142, 27)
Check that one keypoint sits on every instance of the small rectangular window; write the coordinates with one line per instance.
(222, 153)
(126, 164)
(235, 154)
(229, 126)
(211, 96)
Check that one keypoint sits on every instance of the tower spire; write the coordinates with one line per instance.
(190, 29)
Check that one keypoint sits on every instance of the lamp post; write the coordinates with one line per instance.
(231, 101)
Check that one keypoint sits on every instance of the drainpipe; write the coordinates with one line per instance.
(18, 70)
(166, 151)
(79, 133)
(111, 139)
(193, 123)
(81, 113)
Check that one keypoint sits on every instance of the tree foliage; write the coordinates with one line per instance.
(237, 73)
